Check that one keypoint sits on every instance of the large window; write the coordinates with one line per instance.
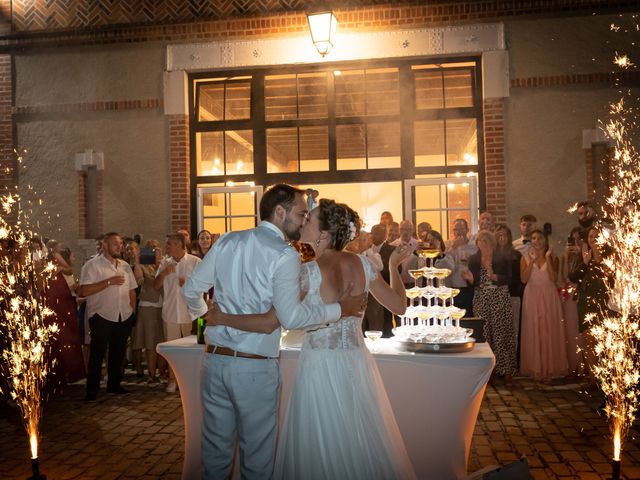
(386, 121)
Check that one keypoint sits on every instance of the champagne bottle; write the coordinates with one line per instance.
(200, 325)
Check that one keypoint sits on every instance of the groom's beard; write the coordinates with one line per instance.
(586, 222)
(291, 231)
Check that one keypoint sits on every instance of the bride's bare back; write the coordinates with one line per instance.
(339, 270)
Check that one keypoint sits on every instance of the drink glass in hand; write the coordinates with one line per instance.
(373, 335)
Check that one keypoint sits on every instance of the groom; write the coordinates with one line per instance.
(252, 270)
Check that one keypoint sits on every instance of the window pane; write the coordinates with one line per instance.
(462, 142)
(349, 92)
(458, 91)
(282, 150)
(314, 149)
(213, 204)
(429, 143)
(215, 225)
(383, 140)
(280, 97)
(458, 197)
(242, 223)
(350, 146)
(209, 153)
(383, 97)
(312, 95)
(211, 107)
(242, 203)
(238, 101)
(239, 152)
(428, 86)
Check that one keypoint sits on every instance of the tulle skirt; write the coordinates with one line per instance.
(339, 423)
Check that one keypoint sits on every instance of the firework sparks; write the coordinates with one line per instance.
(25, 333)
(623, 61)
(616, 335)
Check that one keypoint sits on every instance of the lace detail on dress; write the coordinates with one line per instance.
(346, 333)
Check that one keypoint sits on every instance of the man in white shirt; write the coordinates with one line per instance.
(406, 238)
(173, 272)
(527, 225)
(109, 286)
(252, 270)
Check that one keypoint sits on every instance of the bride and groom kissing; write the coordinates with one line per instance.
(339, 423)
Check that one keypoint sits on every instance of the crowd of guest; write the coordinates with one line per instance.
(129, 299)
(126, 301)
(533, 303)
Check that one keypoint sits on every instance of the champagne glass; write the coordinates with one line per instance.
(454, 293)
(441, 274)
(457, 315)
(429, 274)
(413, 293)
(431, 253)
(373, 335)
(444, 294)
(416, 274)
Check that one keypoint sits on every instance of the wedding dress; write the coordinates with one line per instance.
(339, 422)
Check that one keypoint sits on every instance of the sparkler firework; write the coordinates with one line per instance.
(23, 279)
(616, 333)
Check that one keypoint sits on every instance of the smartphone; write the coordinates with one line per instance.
(571, 242)
(147, 256)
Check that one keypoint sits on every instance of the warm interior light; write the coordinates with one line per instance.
(323, 27)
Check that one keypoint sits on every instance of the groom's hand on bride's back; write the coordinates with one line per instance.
(352, 305)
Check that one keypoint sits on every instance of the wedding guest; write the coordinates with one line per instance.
(505, 248)
(527, 224)
(406, 238)
(571, 263)
(490, 274)
(542, 352)
(423, 229)
(374, 315)
(386, 218)
(66, 347)
(460, 249)
(312, 198)
(173, 272)
(109, 286)
(586, 214)
(203, 244)
(187, 237)
(384, 249)
(149, 327)
(593, 280)
(434, 240)
(393, 232)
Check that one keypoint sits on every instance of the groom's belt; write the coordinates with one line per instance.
(217, 350)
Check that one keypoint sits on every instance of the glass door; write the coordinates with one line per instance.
(440, 201)
(226, 209)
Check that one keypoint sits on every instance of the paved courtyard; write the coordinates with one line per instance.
(141, 435)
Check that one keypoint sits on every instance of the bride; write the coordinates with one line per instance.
(339, 422)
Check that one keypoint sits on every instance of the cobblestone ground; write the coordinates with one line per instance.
(141, 435)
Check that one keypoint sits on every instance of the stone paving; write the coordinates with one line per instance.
(141, 435)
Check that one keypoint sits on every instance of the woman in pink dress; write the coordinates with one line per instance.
(543, 348)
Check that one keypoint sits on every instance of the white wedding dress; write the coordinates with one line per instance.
(339, 423)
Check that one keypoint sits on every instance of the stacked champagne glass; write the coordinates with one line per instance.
(431, 316)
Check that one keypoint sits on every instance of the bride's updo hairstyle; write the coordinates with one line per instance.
(342, 222)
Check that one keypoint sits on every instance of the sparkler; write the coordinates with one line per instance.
(22, 319)
(616, 335)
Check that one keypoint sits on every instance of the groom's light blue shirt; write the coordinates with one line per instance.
(250, 271)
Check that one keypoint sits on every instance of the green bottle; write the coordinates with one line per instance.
(200, 326)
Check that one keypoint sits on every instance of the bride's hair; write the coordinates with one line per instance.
(341, 221)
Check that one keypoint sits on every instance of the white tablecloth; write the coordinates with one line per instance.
(436, 398)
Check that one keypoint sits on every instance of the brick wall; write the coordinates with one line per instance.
(494, 158)
(8, 158)
(105, 21)
(83, 205)
(179, 191)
